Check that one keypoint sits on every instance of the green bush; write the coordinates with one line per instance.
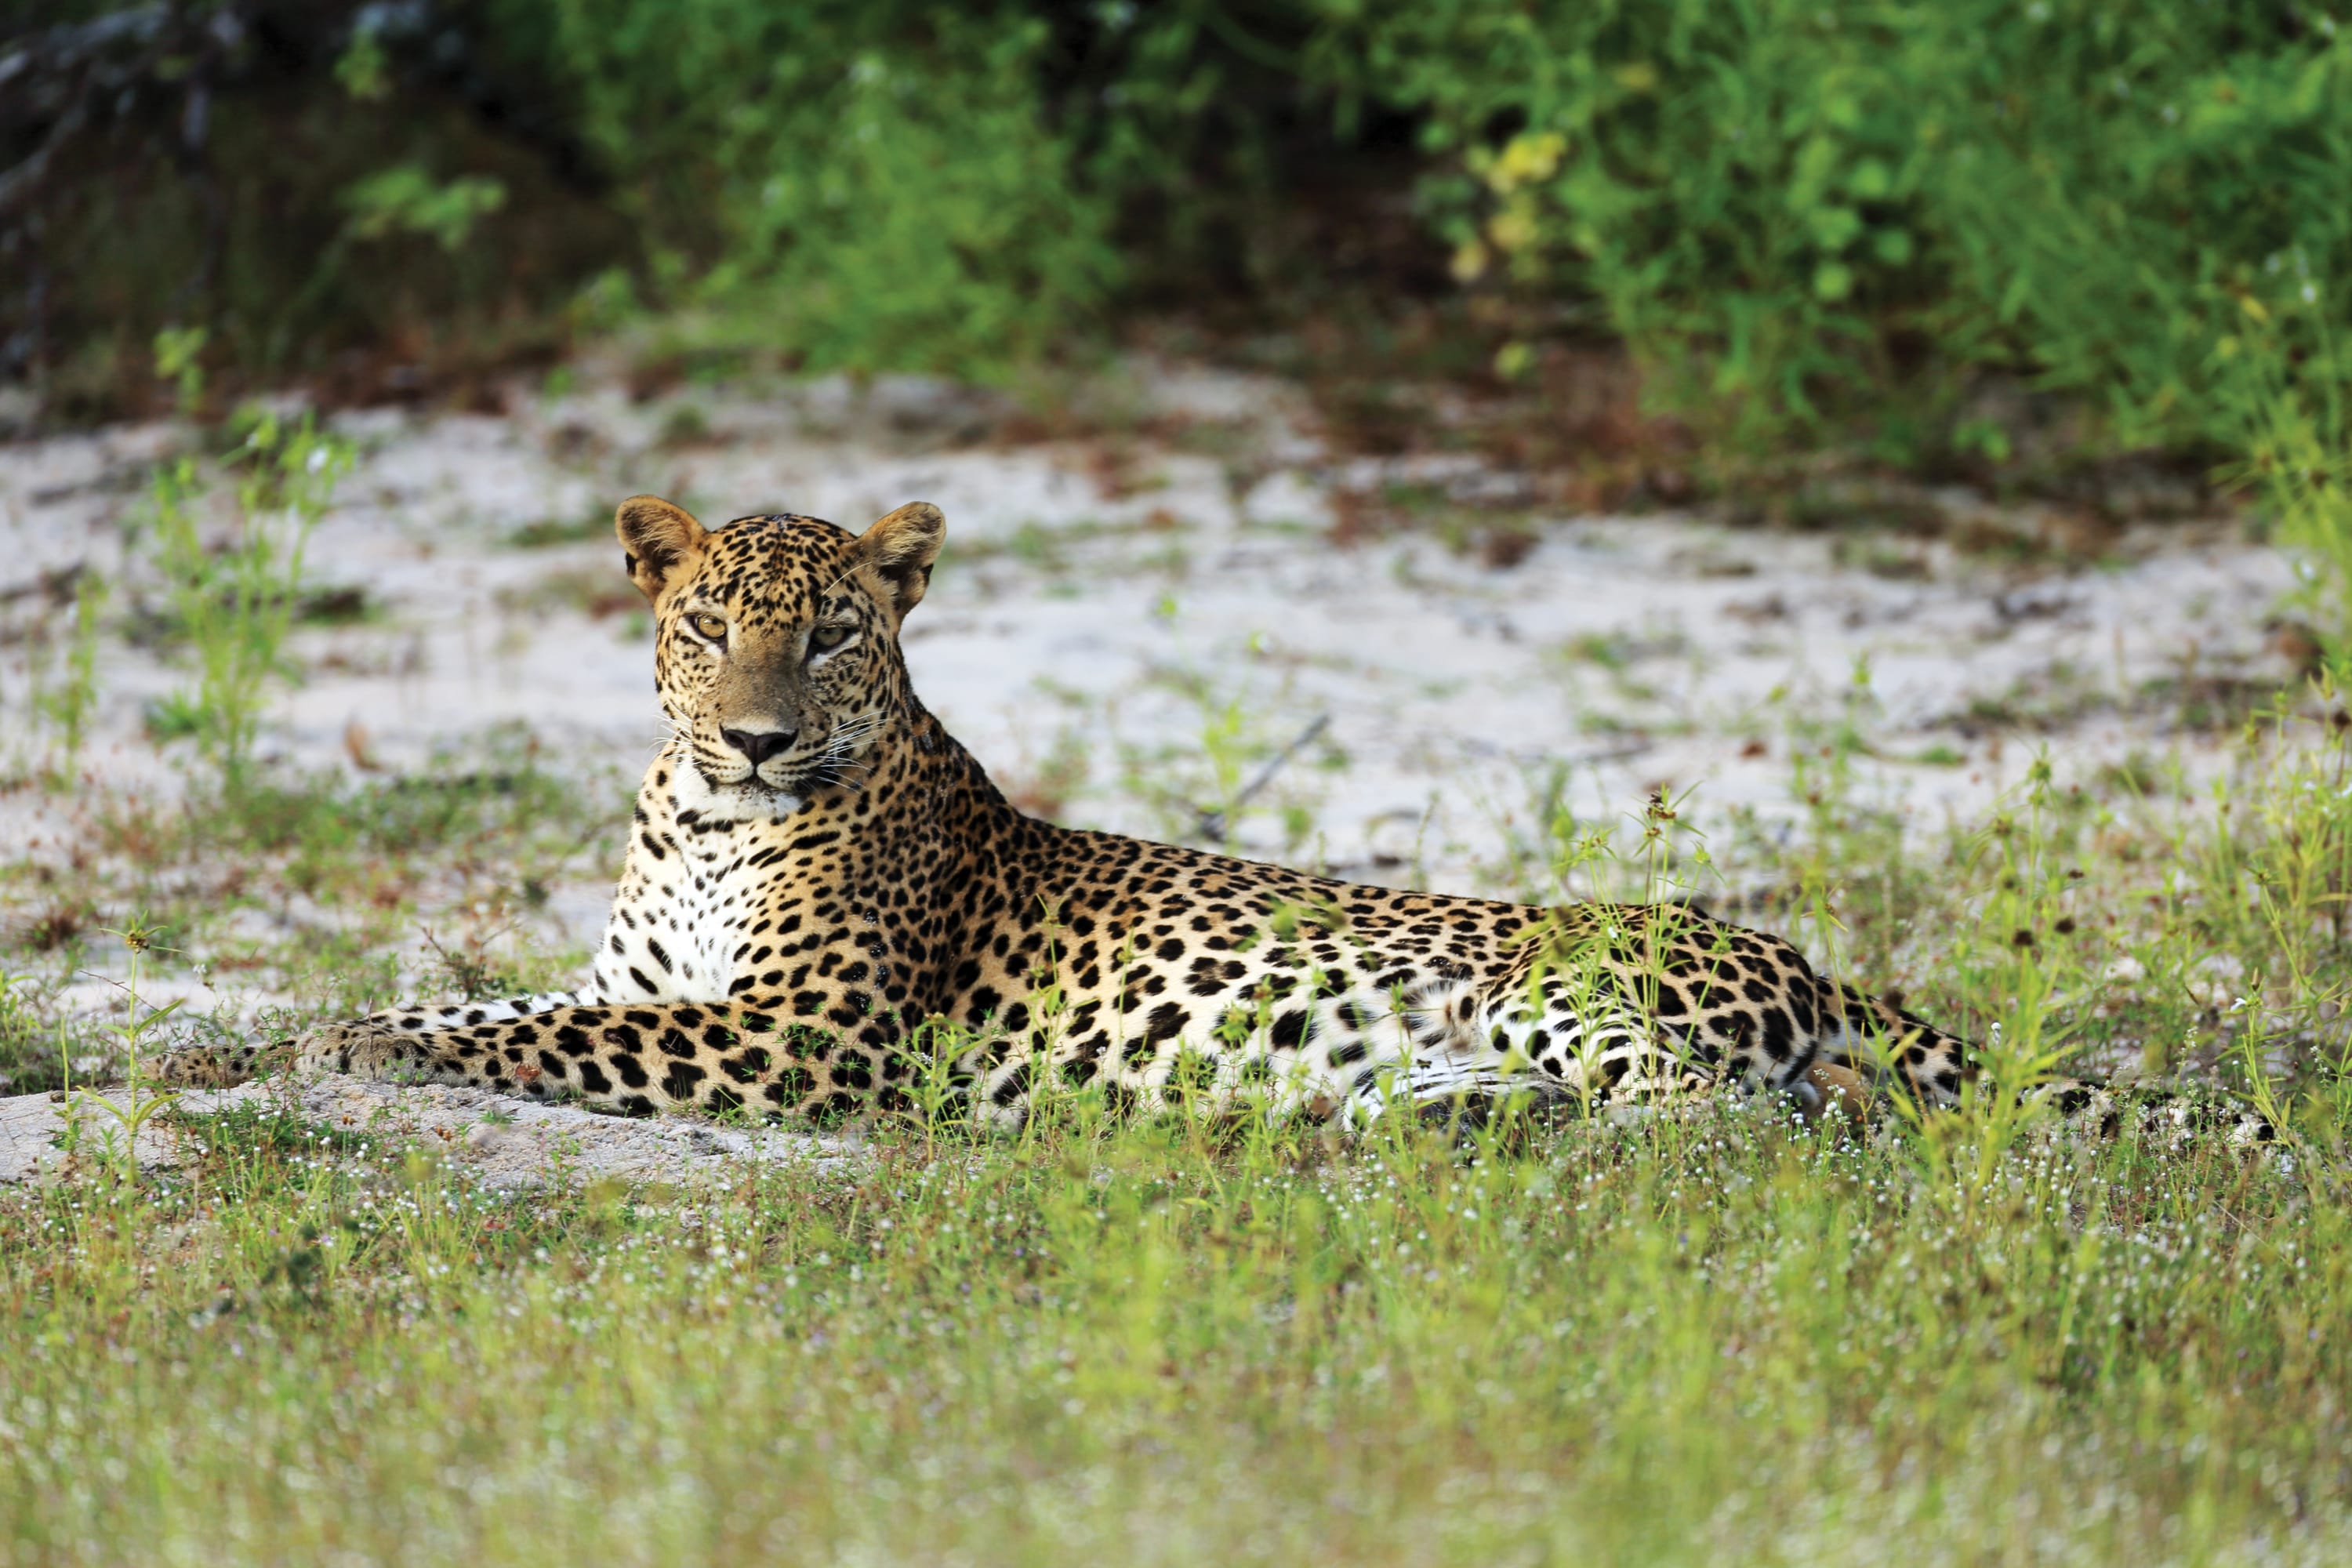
(1805, 220)
(1805, 202)
(871, 187)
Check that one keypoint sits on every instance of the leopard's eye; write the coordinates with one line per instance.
(827, 637)
(709, 626)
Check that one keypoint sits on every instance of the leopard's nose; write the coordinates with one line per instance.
(758, 744)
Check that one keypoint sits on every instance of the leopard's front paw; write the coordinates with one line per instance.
(363, 1047)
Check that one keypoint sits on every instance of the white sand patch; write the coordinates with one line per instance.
(499, 1141)
(1112, 604)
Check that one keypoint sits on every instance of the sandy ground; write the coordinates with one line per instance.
(1128, 626)
(496, 1140)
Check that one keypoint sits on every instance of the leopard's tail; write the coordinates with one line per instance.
(1873, 1039)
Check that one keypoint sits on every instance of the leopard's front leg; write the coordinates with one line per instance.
(716, 1056)
(223, 1066)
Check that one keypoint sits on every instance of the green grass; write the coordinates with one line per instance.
(1719, 1335)
(1703, 1337)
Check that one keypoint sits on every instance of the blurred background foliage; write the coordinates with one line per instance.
(1838, 219)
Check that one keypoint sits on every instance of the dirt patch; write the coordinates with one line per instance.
(497, 1139)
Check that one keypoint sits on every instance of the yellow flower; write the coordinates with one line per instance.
(1526, 159)
(1513, 228)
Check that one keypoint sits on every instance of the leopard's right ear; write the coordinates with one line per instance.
(660, 541)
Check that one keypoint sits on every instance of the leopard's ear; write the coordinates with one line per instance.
(901, 548)
(660, 540)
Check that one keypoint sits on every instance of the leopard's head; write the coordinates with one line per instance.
(776, 645)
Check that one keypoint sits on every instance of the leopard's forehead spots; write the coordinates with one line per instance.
(781, 569)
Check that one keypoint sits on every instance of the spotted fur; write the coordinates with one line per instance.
(819, 877)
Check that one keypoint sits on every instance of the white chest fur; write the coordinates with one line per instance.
(685, 897)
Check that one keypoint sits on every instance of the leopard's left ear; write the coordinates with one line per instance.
(659, 542)
(901, 548)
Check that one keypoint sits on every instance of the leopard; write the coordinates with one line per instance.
(828, 911)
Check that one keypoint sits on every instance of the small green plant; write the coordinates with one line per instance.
(407, 199)
(467, 967)
(234, 605)
(1225, 748)
(2286, 377)
(141, 1098)
(69, 704)
(2267, 880)
(179, 353)
(20, 1029)
(2012, 951)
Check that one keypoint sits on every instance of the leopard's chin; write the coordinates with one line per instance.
(749, 798)
(754, 800)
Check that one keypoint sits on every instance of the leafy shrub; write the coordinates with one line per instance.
(1794, 214)
(871, 186)
(1803, 199)
(896, 186)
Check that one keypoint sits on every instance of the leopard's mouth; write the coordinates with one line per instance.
(752, 784)
(723, 774)
(839, 758)
(772, 791)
